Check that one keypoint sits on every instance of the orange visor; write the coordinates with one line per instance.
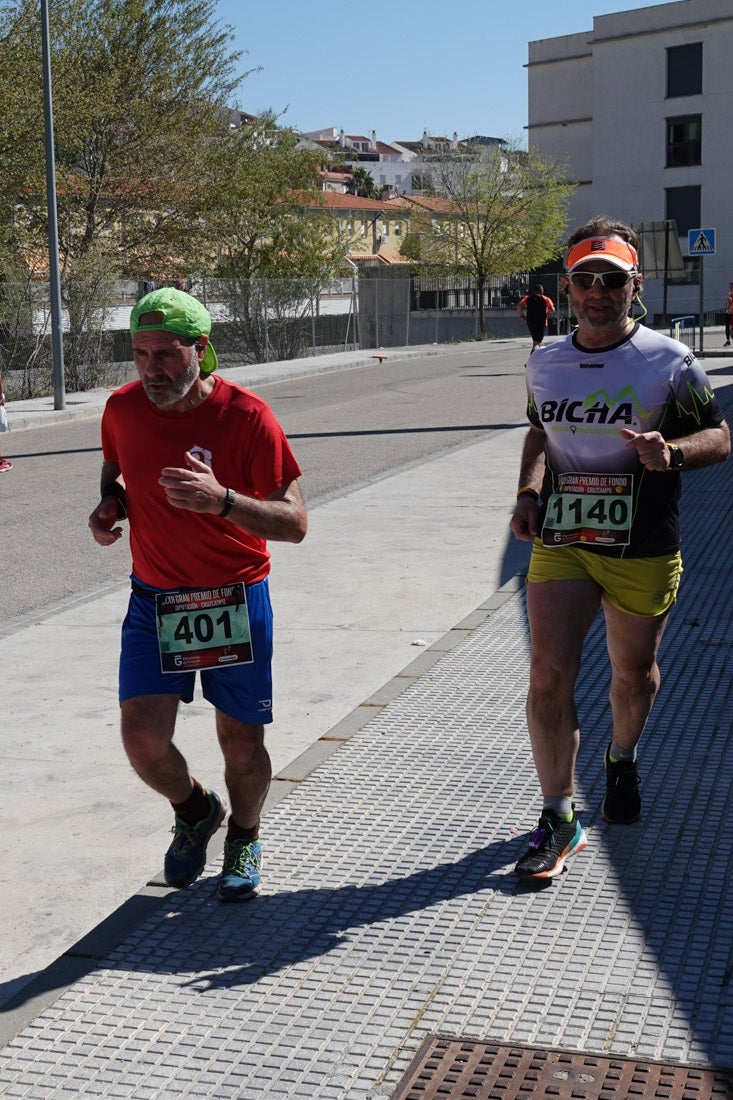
(618, 253)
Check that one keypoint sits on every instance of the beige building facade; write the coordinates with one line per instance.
(639, 108)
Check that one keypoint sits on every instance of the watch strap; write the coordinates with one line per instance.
(228, 503)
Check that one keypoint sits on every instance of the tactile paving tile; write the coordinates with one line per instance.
(464, 1070)
(389, 911)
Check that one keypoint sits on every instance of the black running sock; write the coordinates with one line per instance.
(196, 807)
(236, 832)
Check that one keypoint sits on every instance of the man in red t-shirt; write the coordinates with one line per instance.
(203, 472)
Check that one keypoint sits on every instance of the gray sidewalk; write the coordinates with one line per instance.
(391, 951)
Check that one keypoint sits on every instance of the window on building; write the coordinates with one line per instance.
(684, 70)
(684, 141)
(683, 207)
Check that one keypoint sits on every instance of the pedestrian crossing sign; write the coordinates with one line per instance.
(701, 242)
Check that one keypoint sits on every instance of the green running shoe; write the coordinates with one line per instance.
(240, 875)
(186, 857)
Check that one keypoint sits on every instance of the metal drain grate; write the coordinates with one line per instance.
(458, 1068)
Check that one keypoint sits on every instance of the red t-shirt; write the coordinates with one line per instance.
(235, 433)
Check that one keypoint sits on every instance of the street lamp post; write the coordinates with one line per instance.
(57, 340)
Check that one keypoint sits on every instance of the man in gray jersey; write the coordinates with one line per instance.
(616, 412)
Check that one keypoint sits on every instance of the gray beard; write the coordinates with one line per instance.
(179, 389)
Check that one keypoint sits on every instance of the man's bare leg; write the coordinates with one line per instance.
(633, 643)
(148, 725)
(560, 616)
(248, 772)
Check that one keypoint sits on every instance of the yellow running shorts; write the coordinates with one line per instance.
(639, 586)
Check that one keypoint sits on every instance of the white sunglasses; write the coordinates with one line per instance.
(614, 280)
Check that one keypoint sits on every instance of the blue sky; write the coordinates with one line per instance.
(399, 68)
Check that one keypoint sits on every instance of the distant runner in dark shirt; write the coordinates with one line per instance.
(535, 308)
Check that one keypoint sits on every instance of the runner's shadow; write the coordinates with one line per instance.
(275, 931)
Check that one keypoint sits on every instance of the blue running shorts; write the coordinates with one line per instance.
(243, 692)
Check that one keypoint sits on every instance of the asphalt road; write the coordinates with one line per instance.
(348, 428)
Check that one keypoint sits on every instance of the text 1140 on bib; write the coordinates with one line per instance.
(594, 509)
(207, 628)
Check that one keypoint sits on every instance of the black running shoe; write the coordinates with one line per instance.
(549, 846)
(622, 803)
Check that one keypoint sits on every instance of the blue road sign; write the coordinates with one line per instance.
(701, 242)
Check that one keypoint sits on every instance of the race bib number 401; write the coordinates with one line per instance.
(207, 628)
(594, 509)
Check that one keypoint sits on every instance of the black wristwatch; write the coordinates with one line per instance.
(676, 457)
(228, 503)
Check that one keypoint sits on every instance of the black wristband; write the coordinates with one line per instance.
(228, 503)
(114, 489)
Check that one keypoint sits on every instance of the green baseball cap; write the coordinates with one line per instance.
(181, 313)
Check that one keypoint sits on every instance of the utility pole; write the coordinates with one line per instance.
(57, 337)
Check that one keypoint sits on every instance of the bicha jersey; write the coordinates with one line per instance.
(596, 493)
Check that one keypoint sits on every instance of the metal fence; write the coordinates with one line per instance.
(684, 329)
(255, 321)
(687, 328)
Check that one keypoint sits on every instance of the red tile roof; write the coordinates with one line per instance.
(335, 201)
(434, 205)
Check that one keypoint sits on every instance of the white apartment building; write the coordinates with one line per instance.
(402, 167)
(640, 109)
(386, 163)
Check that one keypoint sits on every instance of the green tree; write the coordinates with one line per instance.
(140, 89)
(261, 204)
(498, 210)
(155, 177)
(364, 185)
(258, 200)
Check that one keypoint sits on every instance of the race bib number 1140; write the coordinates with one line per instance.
(594, 509)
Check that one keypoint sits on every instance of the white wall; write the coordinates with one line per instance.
(598, 100)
